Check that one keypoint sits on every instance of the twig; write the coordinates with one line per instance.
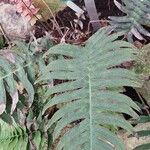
(63, 38)
(3, 33)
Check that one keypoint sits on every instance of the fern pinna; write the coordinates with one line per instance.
(91, 96)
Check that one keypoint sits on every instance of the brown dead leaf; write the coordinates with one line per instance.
(15, 99)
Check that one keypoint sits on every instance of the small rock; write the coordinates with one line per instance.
(14, 25)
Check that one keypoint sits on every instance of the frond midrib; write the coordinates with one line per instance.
(90, 109)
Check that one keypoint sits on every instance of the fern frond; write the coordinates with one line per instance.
(12, 137)
(138, 14)
(18, 137)
(13, 71)
(88, 97)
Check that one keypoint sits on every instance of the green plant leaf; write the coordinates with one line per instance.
(86, 96)
(11, 73)
(137, 15)
(12, 136)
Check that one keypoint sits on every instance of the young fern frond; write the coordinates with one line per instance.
(18, 137)
(90, 95)
(137, 14)
(12, 137)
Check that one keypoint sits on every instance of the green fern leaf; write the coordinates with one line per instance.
(12, 72)
(12, 137)
(137, 16)
(16, 137)
(86, 98)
